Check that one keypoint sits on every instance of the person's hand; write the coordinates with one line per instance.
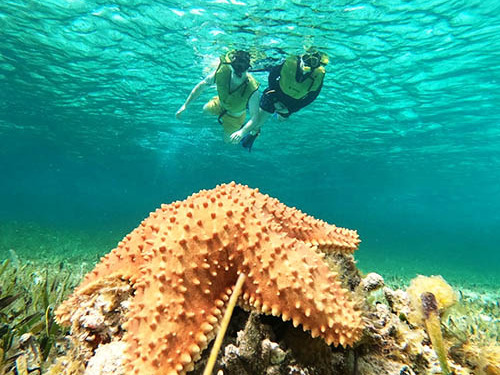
(280, 107)
(237, 136)
(179, 112)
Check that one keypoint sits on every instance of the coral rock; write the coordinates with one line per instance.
(371, 282)
(184, 259)
(107, 360)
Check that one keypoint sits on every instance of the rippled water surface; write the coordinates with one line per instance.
(403, 142)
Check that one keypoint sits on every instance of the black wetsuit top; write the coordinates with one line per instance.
(274, 94)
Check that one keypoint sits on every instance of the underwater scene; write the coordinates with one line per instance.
(247, 187)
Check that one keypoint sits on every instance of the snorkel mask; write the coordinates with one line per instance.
(240, 62)
(312, 60)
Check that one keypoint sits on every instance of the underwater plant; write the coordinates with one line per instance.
(429, 299)
(471, 327)
(474, 330)
(433, 327)
(28, 294)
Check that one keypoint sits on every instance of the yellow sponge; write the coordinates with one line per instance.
(444, 293)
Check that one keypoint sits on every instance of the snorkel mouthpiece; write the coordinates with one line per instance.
(305, 68)
(311, 61)
(240, 62)
(238, 71)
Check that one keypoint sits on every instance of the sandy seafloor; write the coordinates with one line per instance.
(50, 245)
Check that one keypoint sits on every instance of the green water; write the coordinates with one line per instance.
(402, 144)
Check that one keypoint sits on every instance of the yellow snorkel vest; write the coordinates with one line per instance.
(298, 90)
(233, 101)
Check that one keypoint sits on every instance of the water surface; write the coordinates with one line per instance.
(403, 143)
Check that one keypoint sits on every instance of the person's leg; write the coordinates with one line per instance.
(266, 110)
(282, 111)
(214, 108)
(261, 117)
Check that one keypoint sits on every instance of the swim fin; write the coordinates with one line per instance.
(248, 140)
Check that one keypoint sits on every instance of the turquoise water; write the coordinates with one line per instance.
(403, 143)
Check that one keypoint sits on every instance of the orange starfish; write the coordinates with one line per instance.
(185, 257)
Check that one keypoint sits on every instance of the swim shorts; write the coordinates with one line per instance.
(228, 122)
(272, 96)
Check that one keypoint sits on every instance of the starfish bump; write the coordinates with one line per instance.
(185, 258)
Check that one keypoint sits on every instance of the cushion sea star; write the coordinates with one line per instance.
(183, 260)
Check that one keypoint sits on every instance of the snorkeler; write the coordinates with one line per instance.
(236, 89)
(293, 85)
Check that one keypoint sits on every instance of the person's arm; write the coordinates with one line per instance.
(260, 116)
(195, 93)
(253, 103)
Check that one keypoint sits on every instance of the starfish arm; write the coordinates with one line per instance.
(308, 229)
(124, 260)
(121, 263)
(291, 280)
(178, 305)
(168, 337)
